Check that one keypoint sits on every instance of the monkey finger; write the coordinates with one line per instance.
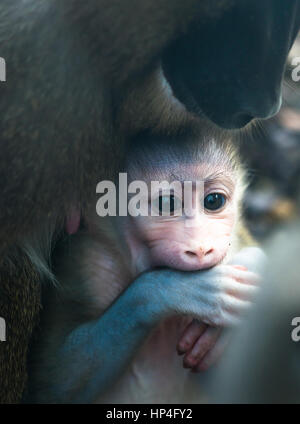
(191, 333)
(245, 276)
(235, 305)
(242, 291)
(213, 355)
(253, 258)
(203, 345)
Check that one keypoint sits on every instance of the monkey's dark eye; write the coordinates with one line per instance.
(168, 204)
(214, 201)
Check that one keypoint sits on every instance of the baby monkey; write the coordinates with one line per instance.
(212, 235)
(132, 288)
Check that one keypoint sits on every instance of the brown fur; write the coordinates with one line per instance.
(82, 77)
(59, 122)
(57, 70)
(19, 306)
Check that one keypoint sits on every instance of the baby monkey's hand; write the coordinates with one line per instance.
(201, 344)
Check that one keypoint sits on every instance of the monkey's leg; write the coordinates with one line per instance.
(19, 307)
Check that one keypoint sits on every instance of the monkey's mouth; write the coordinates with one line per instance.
(184, 260)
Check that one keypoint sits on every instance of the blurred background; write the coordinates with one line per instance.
(273, 159)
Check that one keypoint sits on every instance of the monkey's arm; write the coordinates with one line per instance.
(81, 365)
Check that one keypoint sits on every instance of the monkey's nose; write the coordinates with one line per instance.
(199, 253)
(199, 257)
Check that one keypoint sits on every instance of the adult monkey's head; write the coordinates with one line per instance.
(222, 58)
(231, 67)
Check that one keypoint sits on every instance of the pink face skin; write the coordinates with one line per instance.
(187, 243)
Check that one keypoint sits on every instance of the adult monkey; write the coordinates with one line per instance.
(83, 78)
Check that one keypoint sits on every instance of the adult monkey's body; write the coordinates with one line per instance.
(82, 78)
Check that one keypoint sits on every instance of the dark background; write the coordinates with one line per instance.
(273, 159)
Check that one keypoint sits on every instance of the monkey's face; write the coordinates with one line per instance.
(193, 224)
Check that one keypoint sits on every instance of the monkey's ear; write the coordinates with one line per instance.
(217, 67)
